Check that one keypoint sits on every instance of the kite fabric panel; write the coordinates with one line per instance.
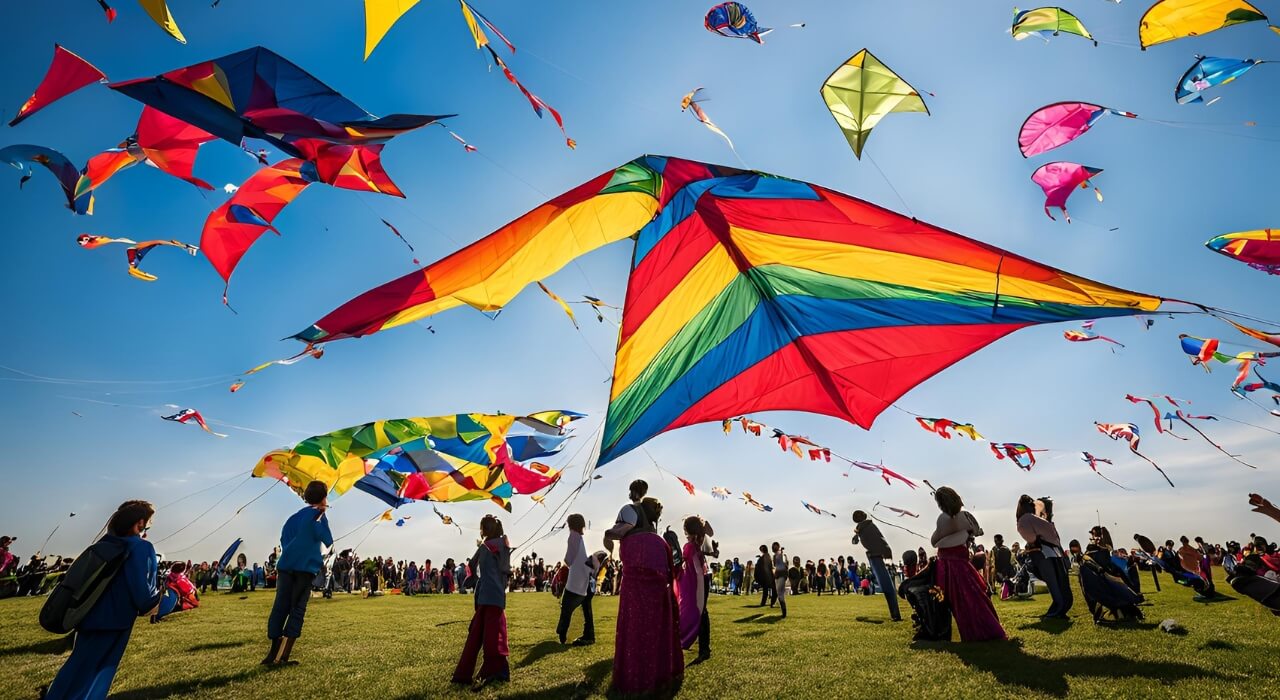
(167, 143)
(489, 273)
(158, 10)
(256, 93)
(22, 156)
(1258, 249)
(1168, 20)
(379, 17)
(1209, 72)
(861, 92)
(1060, 123)
(1045, 22)
(1059, 180)
(67, 73)
(750, 292)
(232, 228)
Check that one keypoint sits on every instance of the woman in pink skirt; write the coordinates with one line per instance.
(961, 585)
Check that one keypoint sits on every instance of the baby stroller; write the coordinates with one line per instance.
(1019, 585)
(930, 615)
(1106, 592)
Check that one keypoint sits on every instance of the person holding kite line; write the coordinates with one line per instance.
(868, 535)
(301, 538)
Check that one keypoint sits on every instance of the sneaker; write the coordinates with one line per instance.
(561, 637)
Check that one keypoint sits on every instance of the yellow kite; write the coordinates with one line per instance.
(861, 91)
(1168, 20)
(159, 12)
(379, 16)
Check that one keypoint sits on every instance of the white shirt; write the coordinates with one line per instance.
(579, 568)
(954, 530)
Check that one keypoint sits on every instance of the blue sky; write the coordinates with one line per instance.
(616, 73)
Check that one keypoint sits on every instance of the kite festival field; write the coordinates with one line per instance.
(398, 647)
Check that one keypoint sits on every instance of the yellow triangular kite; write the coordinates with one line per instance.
(379, 17)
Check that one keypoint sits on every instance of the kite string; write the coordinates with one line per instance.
(891, 186)
(226, 522)
(197, 493)
(883, 522)
(206, 512)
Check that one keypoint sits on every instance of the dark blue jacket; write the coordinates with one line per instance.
(300, 540)
(491, 566)
(134, 591)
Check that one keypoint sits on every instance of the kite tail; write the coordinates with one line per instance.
(1050, 214)
(1157, 466)
(1097, 193)
(1126, 488)
(883, 522)
(1235, 458)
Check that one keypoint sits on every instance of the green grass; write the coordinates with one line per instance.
(395, 647)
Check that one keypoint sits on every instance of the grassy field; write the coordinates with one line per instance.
(396, 647)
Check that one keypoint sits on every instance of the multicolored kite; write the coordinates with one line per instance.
(720, 493)
(1186, 420)
(462, 457)
(1059, 179)
(747, 498)
(750, 292)
(1208, 72)
(136, 251)
(1018, 453)
(1086, 336)
(160, 140)
(188, 415)
(1129, 433)
(734, 20)
(1093, 463)
(816, 510)
(1060, 123)
(1045, 22)
(942, 426)
(1258, 249)
(884, 472)
(1168, 20)
(861, 92)
(257, 94)
(67, 73)
(22, 156)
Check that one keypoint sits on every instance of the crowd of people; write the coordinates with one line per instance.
(664, 582)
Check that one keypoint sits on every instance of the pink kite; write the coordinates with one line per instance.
(1059, 179)
(1058, 124)
(1085, 336)
(67, 73)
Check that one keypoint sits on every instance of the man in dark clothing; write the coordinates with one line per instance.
(764, 577)
(1002, 559)
(866, 533)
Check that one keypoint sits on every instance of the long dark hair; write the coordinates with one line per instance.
(1026, 504)
(948, 500)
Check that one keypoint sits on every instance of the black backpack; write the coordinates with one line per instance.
(82, 586)
(673, 541)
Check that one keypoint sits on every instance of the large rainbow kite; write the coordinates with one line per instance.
(750, 292)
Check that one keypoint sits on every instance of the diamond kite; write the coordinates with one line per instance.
(861, 92)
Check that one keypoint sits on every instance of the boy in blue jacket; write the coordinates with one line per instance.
(103, 634)
(301, 538)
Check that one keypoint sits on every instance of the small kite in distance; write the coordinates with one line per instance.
(188, 415)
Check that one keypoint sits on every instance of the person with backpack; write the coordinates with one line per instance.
(302, 536)
(122, 587)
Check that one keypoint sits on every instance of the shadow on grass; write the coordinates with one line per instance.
(759, 619)
(192, 686)
(869, 620)
(754, 633)
(541, 650)
(1217, 598)
(216, 645)
(1013, 666)
(1219, 645)
(591, 685)
(61, 645)
(1049, 624)
(452, 622)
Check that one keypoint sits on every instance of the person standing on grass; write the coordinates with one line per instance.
(302, 537)
(780, 576)
(101, 637)
(764, 578)
(975, 616)
(694, 590)
(491, 565)
(646, 655)
(1044, 545)
(866, 533)
(577, 587)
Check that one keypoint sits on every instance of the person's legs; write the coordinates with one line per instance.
(92, 666)
(466, 668)
(781, 586)
(1064, 586)
(704, 626)
(1048, 571)
(764, 595)
(588, 620)
(886, 585)
(495, 645)
(568, 601)
(301, 594)
(280, 607)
